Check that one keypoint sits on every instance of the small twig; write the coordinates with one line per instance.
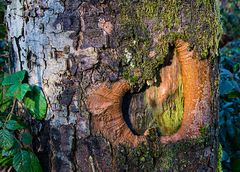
(9, 116)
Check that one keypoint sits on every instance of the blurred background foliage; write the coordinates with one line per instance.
(229, 111)
(231, 18)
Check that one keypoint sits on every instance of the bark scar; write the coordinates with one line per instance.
(105, 103)
(196, 93)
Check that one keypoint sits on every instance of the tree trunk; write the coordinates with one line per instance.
(130, 85)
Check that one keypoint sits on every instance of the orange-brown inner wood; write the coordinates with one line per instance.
(196, 93)
(105, 104)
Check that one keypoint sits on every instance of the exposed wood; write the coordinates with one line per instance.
(196, 91)
(105, 104)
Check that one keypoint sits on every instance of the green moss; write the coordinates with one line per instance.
(197, 22)
(169, 117)
(203, 130)
(219, 164)
(154, 156)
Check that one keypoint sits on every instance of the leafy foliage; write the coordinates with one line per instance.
(15, 137)
(229, 116)
(26, 161)
(14, 151)
(7, 139)
(230, 11)
(36, 103)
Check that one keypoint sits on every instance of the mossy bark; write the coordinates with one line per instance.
(71, 48)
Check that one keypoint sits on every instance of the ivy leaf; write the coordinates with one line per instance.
(15, 78)
(19, 90)
(7, 139)
(36, 103)
(26, 161)
(26, 138)
(13, 125)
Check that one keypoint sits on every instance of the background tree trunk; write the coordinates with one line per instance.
(79, 52)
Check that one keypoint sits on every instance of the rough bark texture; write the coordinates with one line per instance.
(99, 63)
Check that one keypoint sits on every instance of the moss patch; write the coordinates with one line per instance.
(185, 155)
(154, 25)
(219, 164)
(169, 117)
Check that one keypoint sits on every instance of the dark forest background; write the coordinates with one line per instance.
(229, 114)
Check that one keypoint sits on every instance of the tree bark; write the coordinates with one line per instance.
(130, 85)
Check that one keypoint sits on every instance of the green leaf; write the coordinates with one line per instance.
(26, 161)
(19, 90)
(226, 87)
(13, 125)
(236, 67)
(22, 92)
(15, 78)
(36, 103)
(12, 90)
(7, 139)
(233, 95)
(5, 102)
(10, 152)
(6, 161)
(2, 62)
(226, 73)
(1, 124)
(26, 138)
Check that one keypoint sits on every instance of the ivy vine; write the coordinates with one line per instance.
(17, 99)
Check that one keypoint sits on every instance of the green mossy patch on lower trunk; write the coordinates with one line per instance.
(184, 155)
